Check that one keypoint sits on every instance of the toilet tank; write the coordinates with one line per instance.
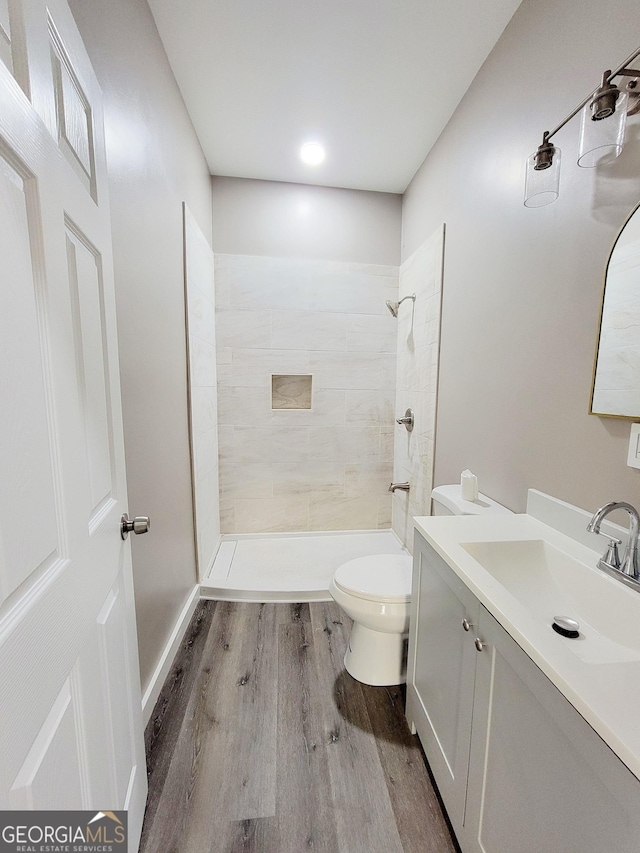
(448, 500)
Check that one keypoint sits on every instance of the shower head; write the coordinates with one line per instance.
(393, 306)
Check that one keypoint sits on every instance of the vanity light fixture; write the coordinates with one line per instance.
(604, 114)
(602, 125)
(542, 179)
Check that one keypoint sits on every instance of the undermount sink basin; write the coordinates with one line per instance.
(547, 583)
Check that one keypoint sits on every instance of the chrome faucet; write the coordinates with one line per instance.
(403, 487)
(629, 566)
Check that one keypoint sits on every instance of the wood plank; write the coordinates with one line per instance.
(419, 816)
(363, 811)
(165, 827)
(306, 817)
(298, 612)
(163, 728)
(234, 748)
(245, 836)
(180, 689)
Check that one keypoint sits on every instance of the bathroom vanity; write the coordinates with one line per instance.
(533, 738)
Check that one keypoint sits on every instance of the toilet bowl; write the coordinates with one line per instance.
(375, 592)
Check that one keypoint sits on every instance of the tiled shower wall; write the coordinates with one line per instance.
(418, 357)
(200, 307)
(327, 468)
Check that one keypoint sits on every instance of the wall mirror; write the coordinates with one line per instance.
(616, 380)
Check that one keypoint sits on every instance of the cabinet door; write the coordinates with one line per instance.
(540, 778)
(440, 673)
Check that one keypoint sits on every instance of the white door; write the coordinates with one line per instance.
(70, 712)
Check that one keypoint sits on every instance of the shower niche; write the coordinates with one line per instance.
(291, 391)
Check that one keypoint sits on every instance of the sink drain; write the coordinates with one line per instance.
(566, 627)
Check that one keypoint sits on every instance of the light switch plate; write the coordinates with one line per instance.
(633, 459)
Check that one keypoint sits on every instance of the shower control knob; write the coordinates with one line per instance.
(407, 420)
(139, 524)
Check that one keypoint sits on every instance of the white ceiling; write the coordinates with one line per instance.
(374, 80)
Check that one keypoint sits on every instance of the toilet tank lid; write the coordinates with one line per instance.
(451, 498)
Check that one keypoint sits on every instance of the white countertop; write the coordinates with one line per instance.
(606, 693)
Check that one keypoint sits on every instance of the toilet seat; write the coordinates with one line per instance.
(379, 577)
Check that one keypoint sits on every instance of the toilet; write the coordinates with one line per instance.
(375, 592)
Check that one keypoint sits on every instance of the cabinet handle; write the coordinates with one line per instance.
(479, 644)
(467, 625)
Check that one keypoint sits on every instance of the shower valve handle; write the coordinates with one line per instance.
(407, 420)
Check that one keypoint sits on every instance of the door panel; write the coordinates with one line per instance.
(50, 776)
(5, 35)
(114, 676)
(74, 119)
(27, 488)
(85, 280)
(31, 59)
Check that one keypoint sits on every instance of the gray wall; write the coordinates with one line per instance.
(523, 288)
(299, 221)
(155, 162)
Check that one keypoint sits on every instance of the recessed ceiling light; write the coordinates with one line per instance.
(312, 153)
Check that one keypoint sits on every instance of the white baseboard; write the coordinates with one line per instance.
(161, 671)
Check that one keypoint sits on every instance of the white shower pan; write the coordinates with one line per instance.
(288, 566)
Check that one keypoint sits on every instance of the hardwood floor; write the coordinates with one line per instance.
(261, 743)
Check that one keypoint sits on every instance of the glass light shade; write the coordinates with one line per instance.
(541, 186)
(601, 141)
